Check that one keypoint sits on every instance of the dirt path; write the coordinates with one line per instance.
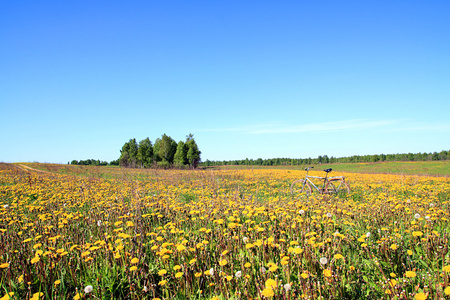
(27, 168)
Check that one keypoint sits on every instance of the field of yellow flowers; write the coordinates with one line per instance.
(220, 234)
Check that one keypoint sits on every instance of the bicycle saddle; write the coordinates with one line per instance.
(328, 170)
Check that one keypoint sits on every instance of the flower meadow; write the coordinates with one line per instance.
(111, 233)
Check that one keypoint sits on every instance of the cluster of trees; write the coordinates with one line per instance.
(443, 155)
(90, 162)
(165, 152)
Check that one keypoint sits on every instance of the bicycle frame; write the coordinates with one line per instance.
(325, 179)
(307, 178)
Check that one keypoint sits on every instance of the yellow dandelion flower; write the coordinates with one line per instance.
(393, 282)
(35, 259)
(135, 260)
(162, 272)
(247, 265)
(338, 256)
(133, 268)
(417, 233)
(420, 296)
(179, 274)
(446, 269)
(410, 274)
(394, 247)
(162, 282)
(268, 292)
(4, 265)
(273, 268)
(223, 262)
(77, 296)
(297, 250)
(270, 283)
(37, 295)
(327, 273)
(447, 290)
(57, 282)
(304, 275)
(7, 296)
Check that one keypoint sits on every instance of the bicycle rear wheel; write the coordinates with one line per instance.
(301, 186)
(337, 186)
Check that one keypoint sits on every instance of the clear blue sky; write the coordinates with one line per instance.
(249, 79)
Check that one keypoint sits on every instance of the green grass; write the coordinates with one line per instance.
(430, 168)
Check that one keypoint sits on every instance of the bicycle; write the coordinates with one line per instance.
(331, 185)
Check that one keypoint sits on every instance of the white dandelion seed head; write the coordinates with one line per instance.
(427, 217)
(211, 271)
(323, 260)
(99, 223)
(417, 216)
(5, 206)
(263, 270)
(245, 239)
(238, 274)
(301, 211)
(88, 289)
(145, 289)
(287, 287)
(368, 234)
(329, 215)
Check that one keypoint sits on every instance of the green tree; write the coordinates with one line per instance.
(156, 148)
(145, 153)
(128, 154)
(167, 149)
(123, 160)
(193, 153)
(180, 158)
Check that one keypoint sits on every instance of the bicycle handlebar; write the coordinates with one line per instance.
(306, 169)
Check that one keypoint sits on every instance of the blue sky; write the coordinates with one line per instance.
(249, 79)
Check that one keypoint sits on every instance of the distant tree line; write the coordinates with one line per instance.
(165, 153)
(324, 159)
(90, 162)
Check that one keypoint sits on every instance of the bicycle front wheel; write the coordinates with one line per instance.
(336, 186)
(301, 186)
